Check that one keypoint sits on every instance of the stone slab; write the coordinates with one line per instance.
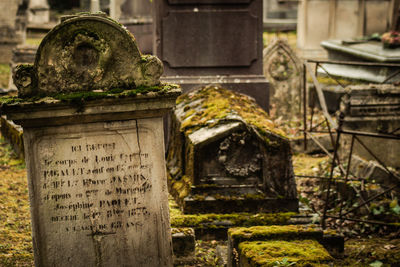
(214, 31)
(363, 73)
(96, 192)
(211, 48)
(371, 51)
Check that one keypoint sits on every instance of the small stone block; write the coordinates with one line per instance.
(279, 253)
(183, 242)
(267, 233)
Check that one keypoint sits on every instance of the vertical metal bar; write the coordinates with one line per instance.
(335, 155)
(313, 101)
(305, 105)
(330, 132)
(346, 178)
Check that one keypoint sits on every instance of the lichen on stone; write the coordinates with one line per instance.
(213, 105)
(87, 52)
(81, 97)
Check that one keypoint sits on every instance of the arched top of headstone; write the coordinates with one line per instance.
(87, 52)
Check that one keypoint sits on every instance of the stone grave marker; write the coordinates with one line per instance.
(91, 108)
(284, 71)
(225, 155)
(205, 42)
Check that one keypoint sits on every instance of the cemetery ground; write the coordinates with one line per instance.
(15, 231)
(365, 244)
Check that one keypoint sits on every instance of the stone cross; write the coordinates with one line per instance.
(91, 107)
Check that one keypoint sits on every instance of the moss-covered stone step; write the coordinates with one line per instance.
(283, 253)
(215, 226)
(238, 235)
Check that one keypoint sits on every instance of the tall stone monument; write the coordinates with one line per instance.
(212, 41)
(91, 107)
(10, 32)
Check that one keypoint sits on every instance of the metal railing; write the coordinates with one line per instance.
(336, 127)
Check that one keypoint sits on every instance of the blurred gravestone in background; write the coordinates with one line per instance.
(284, 71)
(12, 29)
(202, 42)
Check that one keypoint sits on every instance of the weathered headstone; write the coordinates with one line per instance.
(94, 147)
(225, 155)
(205, 42)
(284, 71)
(11, 34)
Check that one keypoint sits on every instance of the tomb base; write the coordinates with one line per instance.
(256, 86)
(212, 204)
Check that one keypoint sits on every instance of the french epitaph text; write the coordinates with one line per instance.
(96, 183)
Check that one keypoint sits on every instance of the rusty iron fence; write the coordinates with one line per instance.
(336, 132)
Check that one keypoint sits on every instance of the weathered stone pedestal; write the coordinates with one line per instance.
(95, 152)
(205, 42)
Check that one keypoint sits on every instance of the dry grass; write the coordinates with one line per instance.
(15, 230)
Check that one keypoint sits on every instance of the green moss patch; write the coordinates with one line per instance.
(211, 105)
(235, 219)
(211, 220)
(81, 97)
(275, 232)
(277, 252)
